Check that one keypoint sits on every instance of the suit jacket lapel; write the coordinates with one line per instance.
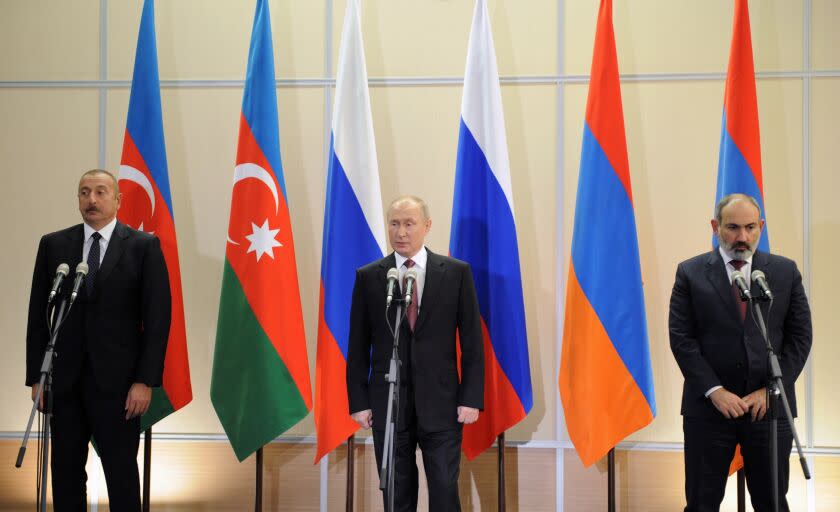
(760, 262)
(435, 268)
(717, 276)
(112, 255)
(75, 247)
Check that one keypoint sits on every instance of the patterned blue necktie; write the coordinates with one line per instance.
(93, 263)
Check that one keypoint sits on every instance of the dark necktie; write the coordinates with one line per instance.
(742, 306)
(93, 263)
(411, 312)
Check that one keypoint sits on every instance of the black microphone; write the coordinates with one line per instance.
(410, 279)
(81, 272)
(760, 279)
(738, 279)
(393, 277)
(60, 273)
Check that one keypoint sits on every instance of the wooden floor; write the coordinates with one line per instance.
(205, 476)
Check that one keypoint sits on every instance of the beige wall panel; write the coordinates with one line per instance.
(529, 480)
(825, 40)
(48, 138)
(200, 39)
(673, 137)
(683, 36)
(201, 128)
(825, 226)
(417, 134)
(407, 39)
(50, 40)
(827, 483)
(650, 482)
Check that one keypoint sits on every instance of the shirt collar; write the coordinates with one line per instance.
(419, 259)
(106, 232)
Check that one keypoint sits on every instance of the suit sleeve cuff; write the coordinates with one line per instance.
(712, 390)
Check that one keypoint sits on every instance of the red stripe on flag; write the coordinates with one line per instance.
(604, 113)
(740, 100)
(502, 407)
(333, 423)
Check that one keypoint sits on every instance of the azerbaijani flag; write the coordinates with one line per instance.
(739, 164)
(484, 235)
(260, 384)
(353, 232)
(147, 206)
(606, 383)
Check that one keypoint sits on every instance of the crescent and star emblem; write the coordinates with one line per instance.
(129, 173)
(262, 238)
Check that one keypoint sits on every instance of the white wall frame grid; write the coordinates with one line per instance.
(327, 83)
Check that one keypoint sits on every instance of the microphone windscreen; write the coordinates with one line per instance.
(63, 269)
(393, 273)
(757, 274)
(736, 275)
(82, 268)
(411, 274)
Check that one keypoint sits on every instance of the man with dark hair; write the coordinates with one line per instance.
(723, 357)
(434, 402)
(110, 350)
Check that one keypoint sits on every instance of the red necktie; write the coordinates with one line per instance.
(742, 306)
(411, 312)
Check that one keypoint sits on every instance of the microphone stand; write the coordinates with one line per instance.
(386, 472)
(775, 391)
(46, 378)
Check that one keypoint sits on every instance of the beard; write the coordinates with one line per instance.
(738, 250)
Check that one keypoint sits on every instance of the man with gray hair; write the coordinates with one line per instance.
(436, 399)
(723, 357)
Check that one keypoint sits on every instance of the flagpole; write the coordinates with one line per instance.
(258, 500)
(500, 441)
(351, 466)
(147, 468)
(611, 480)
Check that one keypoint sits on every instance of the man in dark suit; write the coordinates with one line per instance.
(434, 402)
(110, 350)
(723, 357)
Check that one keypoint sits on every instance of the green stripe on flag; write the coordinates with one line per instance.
(252, 391)
(160, 408)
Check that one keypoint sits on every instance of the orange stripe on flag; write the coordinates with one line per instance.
(602, 402)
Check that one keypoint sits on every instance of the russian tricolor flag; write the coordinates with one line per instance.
(606, 383)
(739, 165)
(484, 235)
(147, 206)
(354, 233)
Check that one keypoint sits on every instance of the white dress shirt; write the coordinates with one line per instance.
(106, 233)
(420, 261)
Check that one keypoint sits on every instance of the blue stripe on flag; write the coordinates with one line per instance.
(484, 234)
(735, 176)
(259, 102)
(605, 254)
(144, 123)
(348, 244)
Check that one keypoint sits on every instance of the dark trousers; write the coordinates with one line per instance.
(80, 414)
(441, 461)
(709, 448)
